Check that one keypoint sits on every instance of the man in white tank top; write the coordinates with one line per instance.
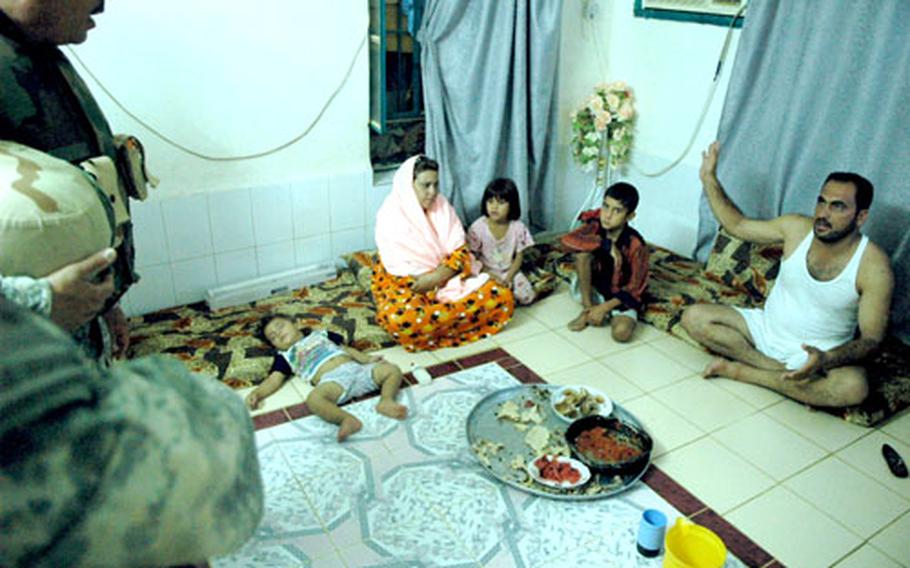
(833, 280)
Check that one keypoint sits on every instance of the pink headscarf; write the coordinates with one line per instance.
(412, 241)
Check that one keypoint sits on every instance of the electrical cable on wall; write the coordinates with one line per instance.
(202, 156)
(595, 194)
(590, 13)
(707, 105)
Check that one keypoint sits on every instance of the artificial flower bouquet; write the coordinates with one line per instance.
(604, 125)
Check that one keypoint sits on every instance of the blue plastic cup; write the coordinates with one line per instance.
(651, 531)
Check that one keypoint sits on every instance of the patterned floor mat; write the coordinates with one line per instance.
(225, 343)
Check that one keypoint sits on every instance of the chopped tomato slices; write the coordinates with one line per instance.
(598, 445)
(553, 470)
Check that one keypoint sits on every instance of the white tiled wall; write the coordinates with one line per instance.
(232, 222)
(310, 204)
(187, 228)
(272, 219)
(187, 244)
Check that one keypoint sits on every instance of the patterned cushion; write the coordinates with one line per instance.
(743, 265)
(360, 264)
(888, 374)
(535, 266)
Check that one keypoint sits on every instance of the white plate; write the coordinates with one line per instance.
(605, 408)
(577, 465)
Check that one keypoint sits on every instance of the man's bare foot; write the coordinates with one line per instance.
(718, 367)
(580, 322)
(392, 409)
(349, 425)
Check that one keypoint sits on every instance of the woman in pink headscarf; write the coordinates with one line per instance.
(427, 286)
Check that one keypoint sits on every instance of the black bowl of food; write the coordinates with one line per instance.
(609, 445)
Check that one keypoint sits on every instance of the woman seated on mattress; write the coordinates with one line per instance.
(428, 288)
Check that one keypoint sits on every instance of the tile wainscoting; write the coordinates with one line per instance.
(187, 244)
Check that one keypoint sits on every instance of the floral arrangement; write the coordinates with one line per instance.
(604, 125)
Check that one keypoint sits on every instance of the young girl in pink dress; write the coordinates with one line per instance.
(498, 239)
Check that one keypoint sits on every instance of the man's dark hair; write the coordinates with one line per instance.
(625, 193)
(502, 189)
(864, 189)
(260, 331)
(425, 164)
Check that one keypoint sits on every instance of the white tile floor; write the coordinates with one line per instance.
(396, 492)
(810, 488)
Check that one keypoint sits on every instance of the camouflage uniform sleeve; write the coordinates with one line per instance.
(31, 293)
(143, 464)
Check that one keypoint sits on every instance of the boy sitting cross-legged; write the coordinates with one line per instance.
(338, 373)
(611, 262)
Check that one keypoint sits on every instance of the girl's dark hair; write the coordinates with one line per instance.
(502, 189)
(260, 332)
(424, 164)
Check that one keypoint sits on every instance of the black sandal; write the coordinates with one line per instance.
(895, 462)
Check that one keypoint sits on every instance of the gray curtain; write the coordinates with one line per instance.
(820, 86)
(489, 75)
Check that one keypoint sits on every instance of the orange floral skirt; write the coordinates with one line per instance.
(420, 323)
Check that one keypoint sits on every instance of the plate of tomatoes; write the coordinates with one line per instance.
(559, 472)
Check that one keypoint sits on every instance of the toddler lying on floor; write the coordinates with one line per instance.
(338, 372)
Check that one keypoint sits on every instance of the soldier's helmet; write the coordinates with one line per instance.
(52, 213)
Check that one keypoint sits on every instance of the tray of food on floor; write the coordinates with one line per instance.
(517, 435)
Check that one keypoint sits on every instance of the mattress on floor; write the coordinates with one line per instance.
(226, 344)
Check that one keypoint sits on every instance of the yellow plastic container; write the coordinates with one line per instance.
(693, 546)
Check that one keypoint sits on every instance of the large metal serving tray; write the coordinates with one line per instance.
(483, 425)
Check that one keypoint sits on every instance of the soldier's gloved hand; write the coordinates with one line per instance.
(77, 295)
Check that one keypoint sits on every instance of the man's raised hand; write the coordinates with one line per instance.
(708, 171)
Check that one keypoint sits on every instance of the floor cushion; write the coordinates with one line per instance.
(746, 266)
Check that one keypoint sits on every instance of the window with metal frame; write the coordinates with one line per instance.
(395, 85)
(716, 12)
